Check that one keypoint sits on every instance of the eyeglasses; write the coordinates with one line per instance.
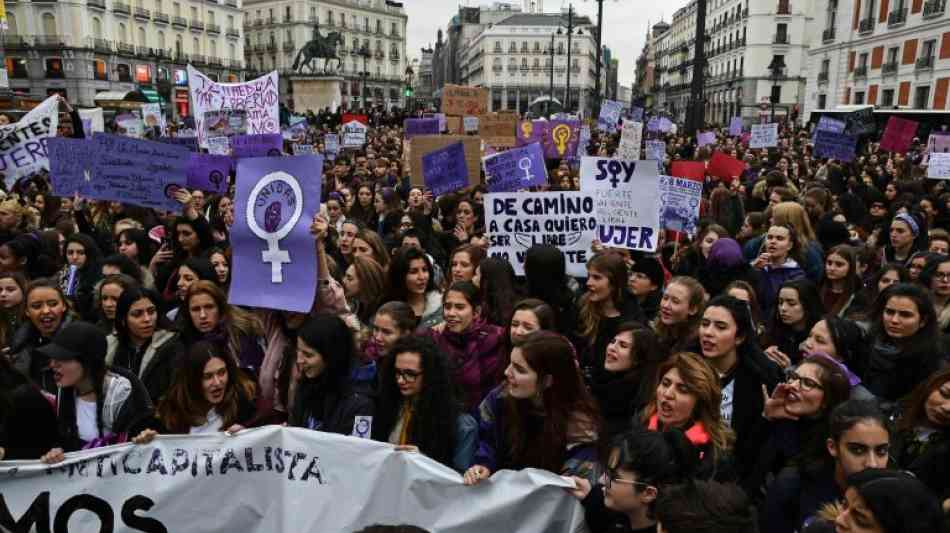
(942, 276)
(614, 477)
(807, 384)
(409, 376)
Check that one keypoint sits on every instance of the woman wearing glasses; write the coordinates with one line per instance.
(641, 464)
(417, 407)
(936, 277)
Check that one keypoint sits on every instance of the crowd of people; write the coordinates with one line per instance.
(783, 370)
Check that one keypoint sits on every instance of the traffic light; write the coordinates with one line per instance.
(408, 91)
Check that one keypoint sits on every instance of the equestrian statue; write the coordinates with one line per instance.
(319, 47)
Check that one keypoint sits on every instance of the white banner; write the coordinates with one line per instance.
(273, 480)
(258, 98)
(627, 200)
(23, 145)
(92, 121)
(630, 139)
(519, 220)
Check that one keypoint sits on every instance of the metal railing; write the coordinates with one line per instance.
(142, 13)
(231, 3)
(924, 63)
(896, 18)
(213, 28)
(125, 48)
(861, 71)
(828, 35)
(50, 41)
(197, 25)
(889, 68)
(101, 4)
(119, 7)
(233, 32)
(102, 45)
(160, 17)
(934, 8)
(179, 21)
(866, 25)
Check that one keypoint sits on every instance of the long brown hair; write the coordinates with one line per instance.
(236, 320)
(566, 402)
(613, 266)
(185, 406)
(372, 280)
(703, 382)
(914, 412)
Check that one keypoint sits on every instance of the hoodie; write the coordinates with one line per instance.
(771, 279)
(474, 356)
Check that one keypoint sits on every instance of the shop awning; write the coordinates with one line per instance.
(151, 95)
(120, 96)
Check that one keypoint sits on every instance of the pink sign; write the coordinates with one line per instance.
(898, 134)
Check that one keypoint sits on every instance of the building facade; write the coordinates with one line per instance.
(514, 59)
(373, 52)
(892, 54)
(80, 49)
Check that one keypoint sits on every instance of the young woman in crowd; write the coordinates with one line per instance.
(209, 394)
(47, 310)
(362, 209)
(841, 285)
(192, 270)
(810, 257)
(495, 279)
(232, 330)
(542, 417)
(907, 234)
(364, 285)
(392, 321)
(799, 307)
(326, 398)
(889, 274)
(221, 262)
(411, 281)
(530, 315)
(725, 509)
(417, 409)
(916, 263)
(681, 310)
(12, 304)
(936, 277)
(190, 237)
(779, 261)
(473, 347)
(83, 254)
(144, 341)
(135, 244)
(724, 265)
(844, 341)
(922, 443)
(744, 291)
(627, 381)
(120, 264)
(646, 283)
(108, 294)
(463, 263)
(692, 259)
(369, 244)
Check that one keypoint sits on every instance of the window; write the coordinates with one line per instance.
(96, 28)
(859, 98)
(210, 17)
(329, 17)
(123, 72)
(781, 33)
(379, 26)
(232, 52)
(393, 30)
(512, 47)
(928, 49)
(863, 62)
(922, 97)
(286, 13)
(892, 55)
(121, 33)
(142, 40)
(537, 46)
(776, 94)
(16, 66)
(887, 97)
(524, 47)
(160, 40)
(822, 101)
(194, 13)
(99, 70)
(497, 47)
(195, 46)
(49, 24)
(176, 10)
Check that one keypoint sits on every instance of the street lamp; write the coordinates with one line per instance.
(551, 88)
(365, 54)
(776, 72)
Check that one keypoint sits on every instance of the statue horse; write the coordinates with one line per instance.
(320, 47)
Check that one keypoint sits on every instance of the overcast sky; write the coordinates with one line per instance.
(624, 31)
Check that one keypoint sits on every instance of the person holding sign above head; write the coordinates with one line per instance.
(190, 237)
(209, 394)
(541, 417)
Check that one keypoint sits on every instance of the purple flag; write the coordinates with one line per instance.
(190, 143)
(735, 126)
(653, 124)
(531, 131)
(265, 145)
(665, 125)
(840, 146)
(275, 261)
(138, 172)
(561, 138)
(421, 126)
(444, 170)
(518, 168)
(706, 137)
(209, 172)
(70, 164)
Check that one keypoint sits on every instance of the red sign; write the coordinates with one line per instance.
(691, 170)
(725, 167)
(350, 117)
(899, 134)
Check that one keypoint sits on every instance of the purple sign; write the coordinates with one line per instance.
(653, 124)
(209, 172)
(266, 145)
(421, 126)
(706, 137)
(516, 169)
(735, 126)
(840, 146)
(636, 114)
(530, 131)
(138, 172)
(655, 150)
(70, 164)
(561, 138)
(275, 261)
(831, 124)
(444, 170)
(665, 125)
(190, 143)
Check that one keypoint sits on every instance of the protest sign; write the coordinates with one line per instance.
(23, 144)
(70, 164)
(441, 117)
(939, 166)
(191, 143)
(826, 123)
(706, 137)
(153, 118)
(354, 134)
(860, 122)
(653, 125)
(840, 146)
(453, 125)
(267, 145)
(470, 124)
(626, 199)
(331, 143)
(516, 221)
(680, 199)
(936, 143)
(693, 170)
(274, 480)
(209, 172)
(460, 101)
(764, 136)
(667, 126)
(898, 134)
(424, 144)
(219, 145)
(224, 122)
(735, 126)
(583, 142)
(92, 121)
(518, 168)
(303, 149)
(636, 113)
(138, 172)
(655, 150)
(630, 138)
(275, 262)
(560, 138)
(420, 126)
(724, 167)
(444, 170)
(130, 124)
(258, 98)
(609, 115)
(531, 131)
(350, 117)
(498, 129)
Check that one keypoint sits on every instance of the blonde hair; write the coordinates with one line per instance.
(793, 214)
(679, 334)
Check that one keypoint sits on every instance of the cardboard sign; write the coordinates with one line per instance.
(830, 124)
(190, 143)
(937, 143)
(71, 163)
(610, 111)
(656, 150)
(630, 139)
(424, 144)
(840, 146)
(138, 172)
(269, 145)
(498, 129)
(303, 149)
(420, 126)
(219, 145)
(735, 126)
(209, 172)
(680, 200)
(692, 170)
(453, 125)
(258, 98)
(23, 144)
(461, 101)
(354, 134)
(706, 137)
(860, 122)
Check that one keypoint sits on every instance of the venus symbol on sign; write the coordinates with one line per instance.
(273, 232)
(525, 164)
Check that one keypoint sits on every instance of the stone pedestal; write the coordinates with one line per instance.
(313, 93)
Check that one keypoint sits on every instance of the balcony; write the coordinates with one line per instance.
(231, 3)
(161, 54)
(233, 32)
(896, 18)
(214, 28)
(378, 54)
(258, 23)
(102, 46)
(198, 59)
(822, 77)
(160, 18)
(289, 46)
(271, 20)
(861, 71)
(235, 63)
(143, 51)
(780, 38)
(125, 48)
(197, 25)
(182, 58)
(179, 21)
(934, 8)
(98, 4)
(889, 68)
(784, 7)
(49, 41)
(866, 26)
(272, 47)
(121, 9)
(828, 35)
(924, 63)
(215, 61)
(288, 18)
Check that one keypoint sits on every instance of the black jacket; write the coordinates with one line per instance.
(34, 365)
(593, 354)
(600, 519)
(752, 430)
(331, 410)
(891, 374)
(154, 363)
